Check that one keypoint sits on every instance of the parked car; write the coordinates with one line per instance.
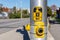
(3, 15)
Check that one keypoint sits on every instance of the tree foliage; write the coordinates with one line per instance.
(49, 11)
(24, 11)
(25, 14)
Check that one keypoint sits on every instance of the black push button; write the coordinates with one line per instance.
(34, 10)
(40, 9)
(40, 30)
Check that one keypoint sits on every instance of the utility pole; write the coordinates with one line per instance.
(21, 9)
(38, 19)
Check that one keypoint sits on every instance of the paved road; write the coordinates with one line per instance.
(55, 31)
(10, 24)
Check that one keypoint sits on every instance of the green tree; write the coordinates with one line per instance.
(25, 11)
(1, 7)
(54, 14)
(15, 14)
(49, 11)
(14, 9)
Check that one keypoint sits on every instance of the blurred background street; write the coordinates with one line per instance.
(14, 14)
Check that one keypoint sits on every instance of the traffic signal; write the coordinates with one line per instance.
(37, 14)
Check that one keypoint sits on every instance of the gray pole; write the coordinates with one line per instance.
(21, 9)
(43, 5)
(45, 17)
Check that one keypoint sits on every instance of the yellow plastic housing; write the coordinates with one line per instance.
(27, 27)
(39, 12)
(39, 25)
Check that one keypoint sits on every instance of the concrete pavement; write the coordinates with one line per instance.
(49, 36)
(13, 35)
(55, 31)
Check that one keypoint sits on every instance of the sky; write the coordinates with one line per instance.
(17, 3)
(53, 2)
(25, 3)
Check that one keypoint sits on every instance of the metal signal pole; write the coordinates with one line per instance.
(38, 19)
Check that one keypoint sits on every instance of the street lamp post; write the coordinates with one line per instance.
(21, 9)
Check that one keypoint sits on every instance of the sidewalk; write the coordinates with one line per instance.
(49, 36)
(13, 35)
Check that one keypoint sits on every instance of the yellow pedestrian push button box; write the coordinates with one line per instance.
(27, 27)
(39, 30)
(37, 14)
